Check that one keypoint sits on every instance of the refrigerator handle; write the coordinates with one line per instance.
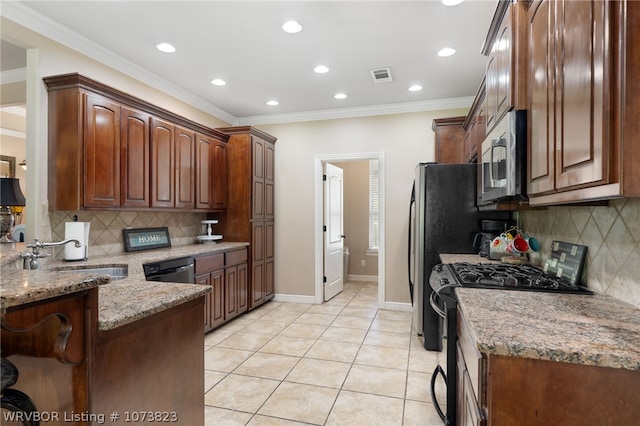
(411, 204)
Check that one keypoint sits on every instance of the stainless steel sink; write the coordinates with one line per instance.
(117, 272)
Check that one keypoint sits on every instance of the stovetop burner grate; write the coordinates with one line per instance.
(517, 277)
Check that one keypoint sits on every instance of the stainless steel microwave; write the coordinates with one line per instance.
(504, 153)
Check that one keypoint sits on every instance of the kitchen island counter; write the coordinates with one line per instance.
(119, 302)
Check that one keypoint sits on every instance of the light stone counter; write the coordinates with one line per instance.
(119, 302)
(581, 329)
(21, 287)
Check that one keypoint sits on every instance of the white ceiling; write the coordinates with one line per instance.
(242, 42)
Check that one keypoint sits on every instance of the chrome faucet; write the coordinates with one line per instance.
(30, 259)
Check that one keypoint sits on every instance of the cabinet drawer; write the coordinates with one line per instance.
(235, 257)
(472, 356)
(209, 263)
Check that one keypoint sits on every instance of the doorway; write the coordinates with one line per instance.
(319, 162)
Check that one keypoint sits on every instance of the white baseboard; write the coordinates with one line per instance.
(371, 278)
(292, 298)
(398, 306)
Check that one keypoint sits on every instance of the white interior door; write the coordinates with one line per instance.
(334, 234)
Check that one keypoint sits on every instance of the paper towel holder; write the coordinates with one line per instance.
(79, 231)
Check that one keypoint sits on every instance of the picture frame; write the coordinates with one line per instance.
(136, 239)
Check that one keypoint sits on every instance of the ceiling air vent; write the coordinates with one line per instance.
(381, 75)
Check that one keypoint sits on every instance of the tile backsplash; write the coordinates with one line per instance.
(105, 234)
(612, 235)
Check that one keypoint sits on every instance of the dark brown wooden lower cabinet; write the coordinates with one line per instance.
(497, 390)
(146, 372)
(152, 367)
(227, 274)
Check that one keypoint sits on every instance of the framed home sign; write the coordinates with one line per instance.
(146, 238)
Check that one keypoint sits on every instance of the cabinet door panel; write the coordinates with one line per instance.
(541, 118)
(185, 168)
(101, 152)
(492, 90)
(258, 178)
(257, 283)
(162, 164)
(231, 292)
(580, 91)
(204, 172)
(504, 50)
(217, 298)
(257, 262)
(269, 164)
(243, 287)
(219, 180)
(205, 279)
(134, 155)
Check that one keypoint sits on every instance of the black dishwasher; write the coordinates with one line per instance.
(180, 270)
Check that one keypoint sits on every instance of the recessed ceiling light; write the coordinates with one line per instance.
(415, 88)
(451, 2)
(321, 69)
(218, 82)
(447, 51)
(273, 103)
(292, 27)
(166, 48)
(340, 96)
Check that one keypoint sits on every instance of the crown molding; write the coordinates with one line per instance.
(22, 14)
(333, 114)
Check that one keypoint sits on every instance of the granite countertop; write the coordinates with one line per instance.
(580, 329)
(119, 302)
(21, 287)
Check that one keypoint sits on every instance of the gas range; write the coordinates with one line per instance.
(445, 277)
(500, 276)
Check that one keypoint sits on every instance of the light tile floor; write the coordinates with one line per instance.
(344, 362)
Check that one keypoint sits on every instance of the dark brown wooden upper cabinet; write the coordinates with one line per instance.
(219, 178)
(162, 163)
(110, 150)
(134, 158)
(507, 68)
(204, 171)
(583, 122)
(101, 152)
(211, 173)
(185, 157)
(449, 140)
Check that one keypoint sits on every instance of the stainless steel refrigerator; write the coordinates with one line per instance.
(443, 218)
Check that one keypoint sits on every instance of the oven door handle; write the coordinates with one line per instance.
(434, 305)
(495, 143)
(434, 398)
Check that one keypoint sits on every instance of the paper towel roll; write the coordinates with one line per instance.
(80, 232)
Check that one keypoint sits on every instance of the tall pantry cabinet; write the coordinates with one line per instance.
(250, 205)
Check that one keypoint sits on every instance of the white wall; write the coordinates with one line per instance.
(406, 140)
